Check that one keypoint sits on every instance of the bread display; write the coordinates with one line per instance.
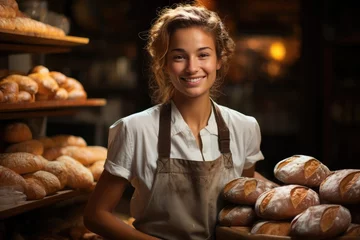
(10, 178)
(35, 189)
(30, 146)
(275, 228)
(68, 140)
(341, 187)
(10, 91)
(233, 215)
(244, 190)
(321, 222)
(96, 169)
(21, 162)
(25, 83)
(59, 170)
(50, 182)
(85, 155)
(302, 170)
(17, 132)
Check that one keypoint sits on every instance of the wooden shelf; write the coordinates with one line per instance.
(15, 209)
(46, 108)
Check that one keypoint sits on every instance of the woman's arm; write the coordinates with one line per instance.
(98, 215)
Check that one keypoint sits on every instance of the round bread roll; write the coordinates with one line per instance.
(96, 169)
(59, 170)
(25, 83)
(10, 91)
(275, 228)
(50, 182)
(321, 222)
(302, 170)
(341, 187)
(233, 215)
(17, 132)
(39, 69)
(68, 140)
(31, 146)
(78, 175)
(21, 162)
(72, 84)
(285, 202)
(24, 96)
(59, 77)
(10, 178)
(35, 189)
(52, 153)
(353, 231)
(245, 190)
(61, 94)
(47, 85)
(46, 142)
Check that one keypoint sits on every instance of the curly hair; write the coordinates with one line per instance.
(184, 16)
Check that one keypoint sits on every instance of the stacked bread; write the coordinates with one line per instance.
(12, 19)
(40, 85)
(41, 167)
(312, 202)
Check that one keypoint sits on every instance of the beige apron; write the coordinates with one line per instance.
(185, 197)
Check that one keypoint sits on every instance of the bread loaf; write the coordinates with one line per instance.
(341, 187)
(244, 190)
(25, 83)
(68, 140)
(59, 170)
(31, 146)
(61, 94)
(50, 182)
(47, 85)
(285, 202)
(10, 178)
(275, 228)
(77, 94)
(21, 162)
(39, 69)
(233, 215)
(302, 170)
(7, 11)
(17, 132)
(78, 175)
(24, 96)
(96, 169)
(10, 91)
(59, 77)
(52, 153)
(35, 189)
(46, 142)
(85, 155)
(353, 231)
(321, 222)
(72, 84)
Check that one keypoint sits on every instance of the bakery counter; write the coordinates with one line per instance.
(242, 233)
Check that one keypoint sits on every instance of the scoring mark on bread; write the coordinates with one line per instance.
(282, 164)
(310, 167)
(328, 218)
(250, 186)
(297, 195)
(266, 200)
(348, 181)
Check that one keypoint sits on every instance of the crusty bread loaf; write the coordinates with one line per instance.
(96, 169)
(302, 170)
(85, 155)
(285, 202)
(244, 190)
(10, 178)
(50, 182)
(59, 170)
(341, 187)
(235, 215)
(78, 175)
(353, 231)
(21, 162)
(30, 146)
(17, 132)
(10, 91)
(35, 189)
(321, 222)
(276, 228)
(25, 83)
(47, 85)
(68, 140)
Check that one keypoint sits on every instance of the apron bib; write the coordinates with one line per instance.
(185, 197)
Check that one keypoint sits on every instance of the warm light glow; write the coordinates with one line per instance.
(277, 51)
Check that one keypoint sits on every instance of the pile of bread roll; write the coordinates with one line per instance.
(42, 166)
(40, 85)
(312, 203)
(11, 18)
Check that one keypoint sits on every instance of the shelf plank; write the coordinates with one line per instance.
(27, 48)
(7, 211)
(33, 39)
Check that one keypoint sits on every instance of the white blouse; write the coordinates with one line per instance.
(132, 146)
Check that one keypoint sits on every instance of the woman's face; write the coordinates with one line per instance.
(191, 62)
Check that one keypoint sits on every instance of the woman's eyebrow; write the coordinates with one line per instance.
(182, 50)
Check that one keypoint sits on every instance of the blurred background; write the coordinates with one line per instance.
(295, 70)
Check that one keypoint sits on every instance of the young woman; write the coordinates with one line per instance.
(179, 154)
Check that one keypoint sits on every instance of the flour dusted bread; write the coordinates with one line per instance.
(85, 155)
(25, 83)
(302, 170)
(59, 77)
(35, 189)
(321, 222)
(285, 202)
(31, 146)
(10, 178)
(244, 190)
(10, 91)
(17, 132)
(96, 169)
(233, 215)
(59, 170)
(22, 162)
(50, 182)
(341, 187)
(68, 140)
(78, 175)
(47, 85)
(276, 228)
(46, 142)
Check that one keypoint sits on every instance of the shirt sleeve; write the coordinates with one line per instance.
(253, 153)
(120, 145)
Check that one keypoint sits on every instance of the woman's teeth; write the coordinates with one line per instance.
(192, 79)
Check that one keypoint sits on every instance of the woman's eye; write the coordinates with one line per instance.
(203, 55)
(178, 57)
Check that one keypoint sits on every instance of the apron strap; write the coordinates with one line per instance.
(223, 131)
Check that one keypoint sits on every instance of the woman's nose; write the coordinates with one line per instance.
(192, 66)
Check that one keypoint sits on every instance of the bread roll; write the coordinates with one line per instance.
(59, 170)
(353, 231)
(285, 202)
(47, 85)
(46, 142)
(96, 169)
(50, 182)
(302, 170)
(24, 96)
(7, 23)
(78, 175)
(321, 222)
(7, 11)
(17, 132)
(2, 97)
(341, 187)
(68, 140)
(59, 77)
(52, 153)
(25, 83)
(61, 94)
(10, 91)
(35, 189)
(233, 215)
(72, 84)
(21, 162)
(39, 69)
(244, 190)
(31, 146)
(77, 94)
(85, 155)
(10, 178)
(275, 228)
